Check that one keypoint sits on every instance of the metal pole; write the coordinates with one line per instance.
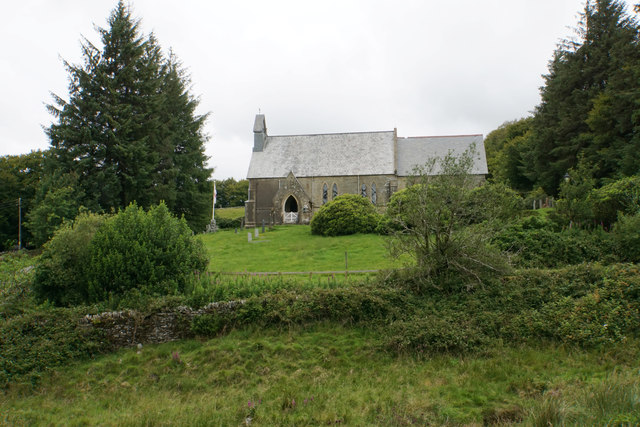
(213, 208)
(19, 223)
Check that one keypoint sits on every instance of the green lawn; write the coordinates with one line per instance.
(230, 213)
(330, 375)
(294, 248)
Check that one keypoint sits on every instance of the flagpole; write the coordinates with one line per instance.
(213, 208)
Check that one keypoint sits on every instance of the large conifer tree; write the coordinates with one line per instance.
(128, 123)
(575, 115)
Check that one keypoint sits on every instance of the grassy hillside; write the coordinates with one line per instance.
(327, 375)
(294, 248)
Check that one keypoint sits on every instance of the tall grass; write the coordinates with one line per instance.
(328, 375)
(225, 287)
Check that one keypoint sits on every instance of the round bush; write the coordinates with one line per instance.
(346, 214)
(131, 253)
(150, 252)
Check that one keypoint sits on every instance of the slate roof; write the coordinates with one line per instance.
(415, 151)
(350, 154)
(365, 153)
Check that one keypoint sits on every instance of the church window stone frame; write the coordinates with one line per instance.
(325, 193)
(374, 194)
(334, 192)
(363, 190)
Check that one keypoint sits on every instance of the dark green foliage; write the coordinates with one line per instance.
(346, 214)
(223, 223)
(626, 235)
(586, 305)
(19, 177)
(149, 252)
(435, 334)
(34, 342)
(601, 312)
(618, 197)
(63, 270)
(129, 131)
(498, 204)
(589, 100)
(231, 193)
(573, 206)
(506, 149)
(287, 307)
(57, 200)
(125, 257)
(537, 242)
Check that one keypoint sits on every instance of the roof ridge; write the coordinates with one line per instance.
(332, 133)
(439, 136)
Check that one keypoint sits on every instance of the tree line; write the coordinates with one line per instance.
(589, 111)
(127, 131)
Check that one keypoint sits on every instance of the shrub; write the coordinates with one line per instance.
(125, 257)
(433, 334)
(346, 214)
(534, 243)
(626, 235)
(223, 223)
(621, 196)
(62, 271)
(151, 252)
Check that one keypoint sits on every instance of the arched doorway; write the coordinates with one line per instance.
(291, 210)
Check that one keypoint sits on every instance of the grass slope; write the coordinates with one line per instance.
(330, 375)
(294, 248)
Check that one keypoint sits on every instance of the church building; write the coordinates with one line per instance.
(292, 176)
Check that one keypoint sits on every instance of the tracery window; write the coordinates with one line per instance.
(335, 191)
(325, 193)
(374, 194)
(363, 192)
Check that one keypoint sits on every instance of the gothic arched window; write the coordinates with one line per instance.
(325, 193)
(363, 192)
(335, 191)
(374, 194)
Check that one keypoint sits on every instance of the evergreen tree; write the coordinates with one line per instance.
(505, 148)
(124, 130)
(580, 75)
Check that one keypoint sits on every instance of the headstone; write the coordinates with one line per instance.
(249, 237)
(236, 230)
(263, 226)
(256, 233)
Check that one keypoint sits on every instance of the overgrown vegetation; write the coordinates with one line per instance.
(444, 223)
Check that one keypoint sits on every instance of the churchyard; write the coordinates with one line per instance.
(294, 249)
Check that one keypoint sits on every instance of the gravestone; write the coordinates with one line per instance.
(249, 237)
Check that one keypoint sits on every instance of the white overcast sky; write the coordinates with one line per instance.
(424, 67)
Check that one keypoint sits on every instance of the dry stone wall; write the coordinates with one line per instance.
(129, 327)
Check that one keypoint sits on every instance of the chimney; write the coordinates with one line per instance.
(259, 133)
